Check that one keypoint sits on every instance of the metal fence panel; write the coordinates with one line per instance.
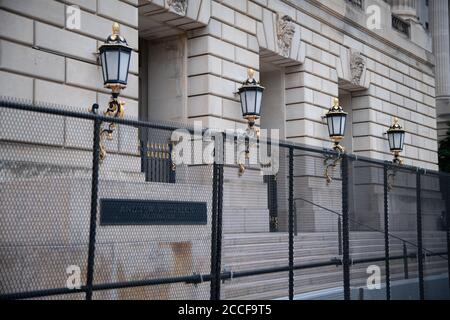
(434, 199)
(135, 250)
(403, 233)
(318, 207)
(367, 242)
(254, 237)
(310, 230)
(45, 192)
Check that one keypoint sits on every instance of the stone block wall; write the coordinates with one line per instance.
(396, 77)
(320, 48)
(44, 61)
(317, 45)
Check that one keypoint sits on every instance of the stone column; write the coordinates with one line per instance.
(441, 48)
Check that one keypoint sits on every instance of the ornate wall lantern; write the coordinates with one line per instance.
(251, 98)
(115, 56)
(396, 138)
(336, 121)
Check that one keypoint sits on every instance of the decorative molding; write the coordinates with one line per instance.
(178, 6)
(351, 68)
(382, 42)
(285, 34)
(279, 39)
(173, 17)
(357, 67)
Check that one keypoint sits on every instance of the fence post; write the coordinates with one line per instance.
(445, 190)
(345, 228)
(291, 223)
(295, 219)
(272, 196)
(94, 200)
(214, 232)
(448, 242)
(216, 219)
(339, 226)
(386, 233)
(419, 235)
(361, 293)
(219, 229)
(405, 260)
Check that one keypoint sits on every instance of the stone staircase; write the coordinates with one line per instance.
(248, 251)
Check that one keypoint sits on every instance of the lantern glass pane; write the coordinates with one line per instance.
(391, 140)
(336, 125)
(343, 119)
(397, 140)
(330, 126)
(243, 103)
(258, 101)
(251, 100)
(112, 59)
(104, 66)
(124, 64)
(403, 140)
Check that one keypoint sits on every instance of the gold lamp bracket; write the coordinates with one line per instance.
(172, 145)
(392, 172)
(330, 162)
(251, 132)
(116, 109)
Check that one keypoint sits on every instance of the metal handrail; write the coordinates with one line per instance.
(199, 278)
(367, 226)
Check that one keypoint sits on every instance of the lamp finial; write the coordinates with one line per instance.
(116, 28)
(336, 102)
(251, 73)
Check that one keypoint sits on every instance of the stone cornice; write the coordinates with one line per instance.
(389, 47)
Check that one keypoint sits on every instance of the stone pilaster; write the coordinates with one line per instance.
(441, 49)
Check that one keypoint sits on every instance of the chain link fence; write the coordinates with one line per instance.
(139, 224)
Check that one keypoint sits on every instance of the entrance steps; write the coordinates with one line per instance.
(249, 251)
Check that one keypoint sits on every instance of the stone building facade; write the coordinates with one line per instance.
(189, 59)
(439, 12)
(304, 52)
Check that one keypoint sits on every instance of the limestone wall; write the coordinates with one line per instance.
(44, 59)
(396, 80)
(320, 48)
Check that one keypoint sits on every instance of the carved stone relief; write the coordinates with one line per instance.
(285, 33)
(357, 65)
(178, 6)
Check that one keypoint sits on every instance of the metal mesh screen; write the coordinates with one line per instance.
(402, 204)
(317, 209)
(135, 250)
(44, 200)
(46, 184)
(434, 197)
(366, 215)
(254, 230)
(154, 236)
